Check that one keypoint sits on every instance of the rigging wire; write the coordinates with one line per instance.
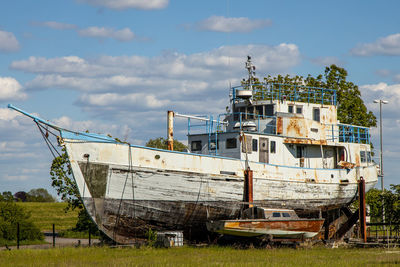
(123, 191)
(197, 200)
(51, 147)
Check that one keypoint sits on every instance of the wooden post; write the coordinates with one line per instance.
(54, 235)
(170, 133)
(362, 213)
(248, 188)
(18, 235)
(90, 236)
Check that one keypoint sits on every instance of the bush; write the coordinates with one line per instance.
(10, 215)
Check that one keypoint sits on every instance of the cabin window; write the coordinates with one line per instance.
(290, 109)
(363, 156)
(269, 110)
(272, 147)
(212, 144)
(276, 214)
(316, 116)
(369, 156)
(285, 214)
(255, 145)
(231, 143)
(260, 110)
(299, 109)
(196, 146)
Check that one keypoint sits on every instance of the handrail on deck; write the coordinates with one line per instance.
(346, 133)
(290, 92)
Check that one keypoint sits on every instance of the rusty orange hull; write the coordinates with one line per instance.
(299, 228)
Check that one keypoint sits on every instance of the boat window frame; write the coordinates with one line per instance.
(212, 142)
(290, 108)
(276, 215)
(363, 156)
(272, 146)
(254, 145)
(192, 147)
(229, 142)
(317, 114)
(269, 110)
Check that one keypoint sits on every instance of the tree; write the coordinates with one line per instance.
(6, 196)
(66, 187)
(39, 195)
(11, 215)
(20, 196)
(60, 172)
(391, 200)
(162, 143)
(351, 108)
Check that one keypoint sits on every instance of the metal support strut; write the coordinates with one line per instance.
(248, 188)
(170, 121)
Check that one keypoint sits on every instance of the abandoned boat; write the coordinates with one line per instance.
(275, 223)
(301, 157)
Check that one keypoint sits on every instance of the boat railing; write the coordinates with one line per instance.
(241, 120)
(263, 123)
(289, 92)
(346, 133)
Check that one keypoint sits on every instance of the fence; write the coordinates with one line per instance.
(387, 232)
(21, 232)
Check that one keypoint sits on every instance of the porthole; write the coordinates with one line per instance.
(157, 156)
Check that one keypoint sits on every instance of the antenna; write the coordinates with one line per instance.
(251, 69)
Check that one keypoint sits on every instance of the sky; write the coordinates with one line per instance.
(117, 66)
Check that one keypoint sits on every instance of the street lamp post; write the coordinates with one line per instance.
(380, 101)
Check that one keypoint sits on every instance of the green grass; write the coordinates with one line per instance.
(45, 214)
(21, 243)
(187, 256)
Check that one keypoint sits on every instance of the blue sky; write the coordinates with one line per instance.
(117, 66)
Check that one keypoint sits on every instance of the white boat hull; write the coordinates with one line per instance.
(127, 189)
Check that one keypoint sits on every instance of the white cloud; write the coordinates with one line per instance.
(55, 25)
(209, 64)
(191, 83)
(223, 24)
(11, 89)
(388, 46)
(139, 100)
(122, 35)
(7, 114)
(8, 42)
(125, 4)
(383, 91)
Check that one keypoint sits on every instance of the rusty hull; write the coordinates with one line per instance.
(304, 141)
(296, 127)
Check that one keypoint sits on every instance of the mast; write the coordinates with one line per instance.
(251, 70)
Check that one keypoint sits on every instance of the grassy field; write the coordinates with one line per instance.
(211, 256)
(45, 214)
